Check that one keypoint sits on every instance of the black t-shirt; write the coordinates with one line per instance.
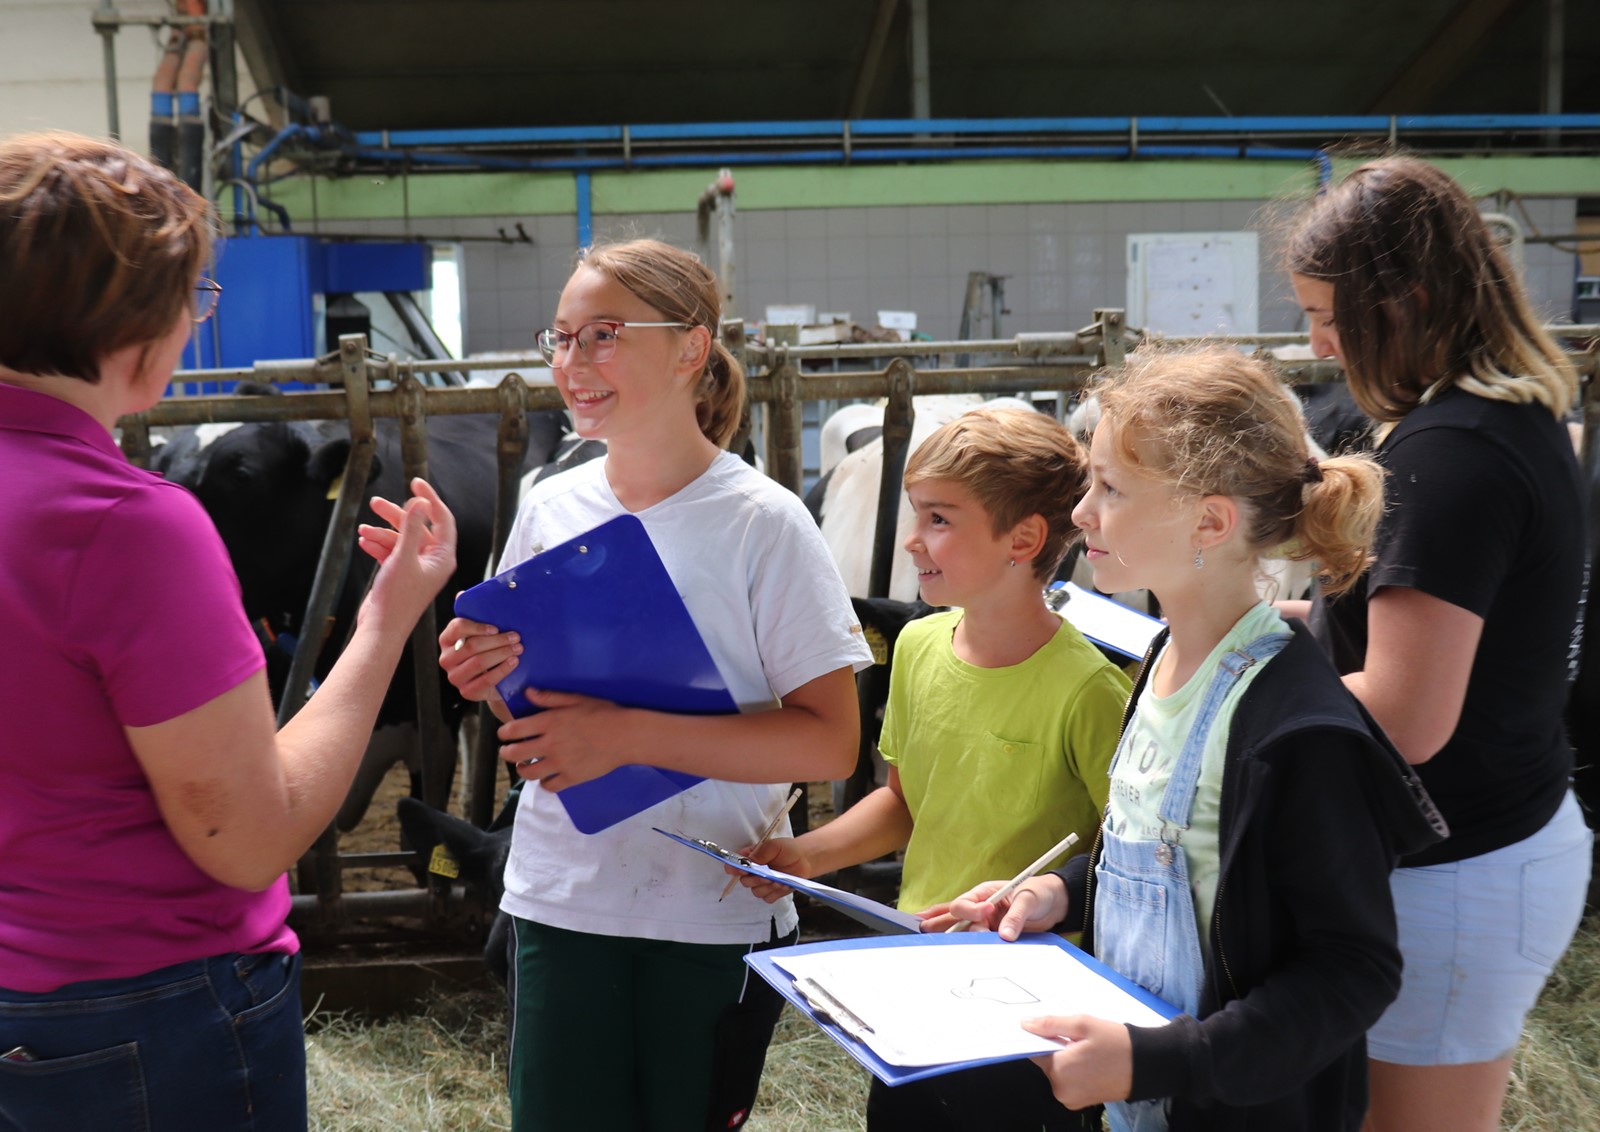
(1485, 512)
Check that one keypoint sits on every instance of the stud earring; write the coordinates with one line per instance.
(1013, 562)
(1199, 559)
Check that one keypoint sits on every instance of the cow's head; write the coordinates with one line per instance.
(269, 488)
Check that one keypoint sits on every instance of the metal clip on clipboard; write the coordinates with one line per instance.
(827, 1006)
(718, 851)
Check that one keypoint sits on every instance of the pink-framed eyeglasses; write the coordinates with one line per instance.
(597, 340)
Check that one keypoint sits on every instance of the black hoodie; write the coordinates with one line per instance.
(1317, 806)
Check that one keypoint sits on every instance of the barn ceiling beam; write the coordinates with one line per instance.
(256, 27)
(1442, 57)
(921, 95)
(871, 58)
(1555, 21)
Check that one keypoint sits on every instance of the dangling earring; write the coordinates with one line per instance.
(1199, 559)
(1013, 562)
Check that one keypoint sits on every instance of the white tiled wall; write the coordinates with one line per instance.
(1061, 261)
(52, 73)
(52, 70)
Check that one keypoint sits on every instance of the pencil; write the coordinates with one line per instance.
(1015, 882)
(794, 796)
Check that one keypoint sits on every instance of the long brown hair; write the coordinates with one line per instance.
(683, 289)
(1212, 421)
(101, 250)
(1423, 299)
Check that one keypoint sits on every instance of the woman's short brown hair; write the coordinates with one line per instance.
(101, 250)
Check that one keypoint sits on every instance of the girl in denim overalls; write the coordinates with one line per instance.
(1255, 809)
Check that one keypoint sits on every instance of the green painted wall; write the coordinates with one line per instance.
(977, 182)
(438, 194)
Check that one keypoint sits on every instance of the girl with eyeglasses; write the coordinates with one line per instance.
(150, 806)
(631, 1005)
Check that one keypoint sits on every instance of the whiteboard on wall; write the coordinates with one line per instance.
(1190, 284)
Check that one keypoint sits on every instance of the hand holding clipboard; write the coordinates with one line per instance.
(599, 616)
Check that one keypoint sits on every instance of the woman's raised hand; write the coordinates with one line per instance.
(416, 553)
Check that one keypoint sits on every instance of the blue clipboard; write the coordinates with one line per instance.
(600, 616)
(875, 915)
(768, 964)
(1124, 631)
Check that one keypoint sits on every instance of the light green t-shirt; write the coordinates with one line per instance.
(997, 764)
(1150, 748)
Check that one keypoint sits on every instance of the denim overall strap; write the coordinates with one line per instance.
(1144, 904)
(1177, 802)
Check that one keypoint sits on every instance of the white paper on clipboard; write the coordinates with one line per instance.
(961, 1003)
(1109, 623)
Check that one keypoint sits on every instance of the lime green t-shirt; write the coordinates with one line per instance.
(997, 764)
(1150, 747)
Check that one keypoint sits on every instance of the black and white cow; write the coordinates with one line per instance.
(475, 856)
(1333, 418)
(851, 427)
(848, 428)
(269, 488)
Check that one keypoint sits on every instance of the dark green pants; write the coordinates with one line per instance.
(616, 1033)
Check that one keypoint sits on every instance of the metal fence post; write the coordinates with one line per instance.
(331, 570)
(785, 421)
(437, 754)
(899, 415)
(1113, 347)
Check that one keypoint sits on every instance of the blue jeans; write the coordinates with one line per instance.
(212, 1045)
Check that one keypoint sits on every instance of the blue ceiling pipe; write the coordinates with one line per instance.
(407, 146)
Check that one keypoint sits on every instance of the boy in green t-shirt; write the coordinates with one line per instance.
(1000, 726)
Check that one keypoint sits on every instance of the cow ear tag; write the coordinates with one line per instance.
(877, 642)
(333, 488)
(441, 863)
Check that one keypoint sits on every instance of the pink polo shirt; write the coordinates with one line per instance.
(118, 608)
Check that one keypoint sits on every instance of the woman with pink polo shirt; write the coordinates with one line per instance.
(148, 806)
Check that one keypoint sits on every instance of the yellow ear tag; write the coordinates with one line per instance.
(443, 864)
(333, 488)
(877, 642)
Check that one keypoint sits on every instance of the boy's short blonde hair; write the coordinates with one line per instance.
(1016, 463)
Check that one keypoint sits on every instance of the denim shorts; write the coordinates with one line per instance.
(212, 1045)
(1480, 937)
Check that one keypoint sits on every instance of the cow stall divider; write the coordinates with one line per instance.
(366, 386)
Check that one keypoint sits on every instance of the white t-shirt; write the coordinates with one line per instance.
(757, 579)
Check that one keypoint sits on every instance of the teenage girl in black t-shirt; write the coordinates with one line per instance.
(1458, 642)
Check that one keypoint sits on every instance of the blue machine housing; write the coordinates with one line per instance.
(275, 288)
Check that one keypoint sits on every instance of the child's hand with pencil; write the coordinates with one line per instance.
(766, 851)
(785, 855)
(1023, 903)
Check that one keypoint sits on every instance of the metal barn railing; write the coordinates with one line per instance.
(368, 387)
